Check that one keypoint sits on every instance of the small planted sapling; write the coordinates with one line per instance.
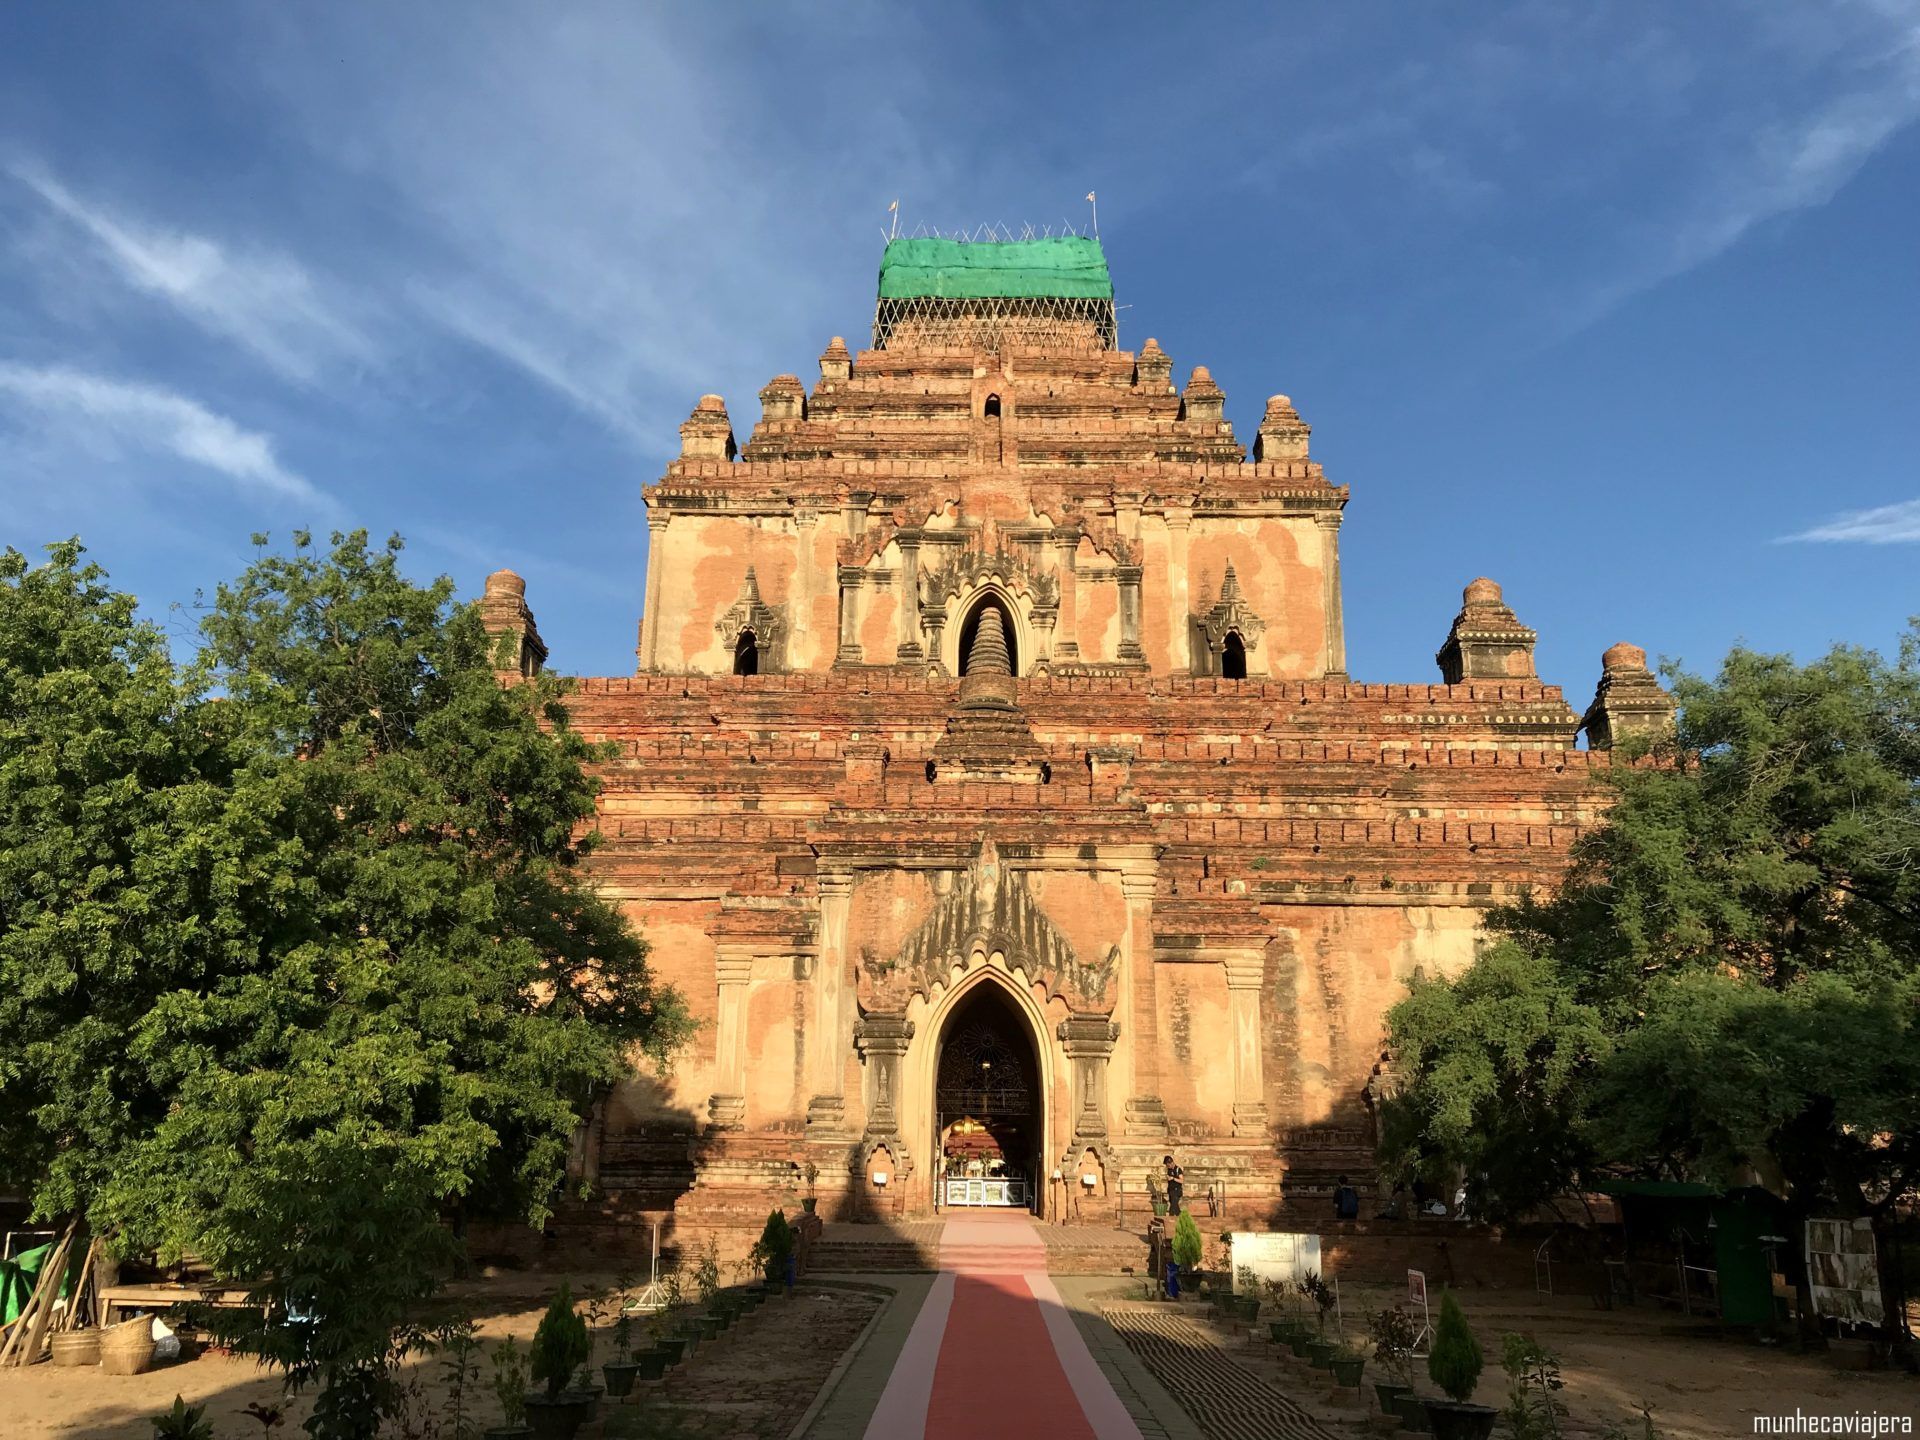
(1320, 1294)
(461, 1363)
(1533, 1408)
(510, 1382)
(706, 1275)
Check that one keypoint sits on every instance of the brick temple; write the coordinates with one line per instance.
(993, 785)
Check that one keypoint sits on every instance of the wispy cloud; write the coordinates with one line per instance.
(1882, 525)
(623, 233)
(94, 408)
(264, 301)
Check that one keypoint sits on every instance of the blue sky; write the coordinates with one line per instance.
(1617, 304)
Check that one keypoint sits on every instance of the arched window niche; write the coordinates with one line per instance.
(1233, 657)
(970, 628)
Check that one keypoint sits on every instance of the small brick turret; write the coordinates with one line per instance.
(1487, 641)
(1283, 434)
(1630, 703)
(520, 653)
(707, 434)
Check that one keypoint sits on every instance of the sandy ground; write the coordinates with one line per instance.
(1701, 1386)
(85, 1402)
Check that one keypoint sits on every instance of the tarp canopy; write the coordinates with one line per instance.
(1659, 1189)
(1068, 267)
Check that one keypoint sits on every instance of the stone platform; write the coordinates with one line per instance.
(914, 1245)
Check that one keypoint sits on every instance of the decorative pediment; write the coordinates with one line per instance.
(985, 910)
(767, 622)
(965, 570)
(1232, 614)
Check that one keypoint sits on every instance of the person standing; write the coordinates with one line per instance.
(1176, 1186)
(1346, 1201)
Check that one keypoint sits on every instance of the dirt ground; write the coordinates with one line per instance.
(1700, 1386)
(752, 1374)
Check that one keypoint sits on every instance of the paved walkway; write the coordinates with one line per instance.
(994, 1345)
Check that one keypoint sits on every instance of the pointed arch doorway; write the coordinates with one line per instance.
(989, 1119)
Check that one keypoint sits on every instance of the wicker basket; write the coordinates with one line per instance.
(76, 1347)
(127, 1348)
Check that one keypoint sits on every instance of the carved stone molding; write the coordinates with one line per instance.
(965, 570)
(1231, 614)
(767, 622)
(987, 909)
(882, 1039)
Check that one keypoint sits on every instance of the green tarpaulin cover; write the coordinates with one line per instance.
(18, 1276)
(1068, 267)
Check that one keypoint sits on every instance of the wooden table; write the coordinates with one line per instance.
(159, 1297)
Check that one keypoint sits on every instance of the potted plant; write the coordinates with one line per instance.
(1393, 1336)
(182, 1422)
(1455, 1367)
(1157, 1193)
(1281, 1327)
(1186, 1244)
(599, 1306)
(510, 1389)
(811, 1172)
(620, 1370)
(559, 1349)
(1246, 1294)
(1346, 1366)
(1319, 1349)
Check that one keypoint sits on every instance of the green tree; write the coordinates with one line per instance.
(114, 777)
(1729, 976)
(1499, 1059)
(335, 978)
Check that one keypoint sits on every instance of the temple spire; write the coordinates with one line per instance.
(989, 653)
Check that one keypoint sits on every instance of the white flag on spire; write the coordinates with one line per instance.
(1090, 196)
(893, 207)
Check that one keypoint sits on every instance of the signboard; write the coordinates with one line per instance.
(1844, 1272)
(1417, 1301)
(1273, 1255)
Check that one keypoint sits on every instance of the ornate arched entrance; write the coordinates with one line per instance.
(989, 1119)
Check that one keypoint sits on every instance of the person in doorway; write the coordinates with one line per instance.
(1346, 1201)
(1176, 1186)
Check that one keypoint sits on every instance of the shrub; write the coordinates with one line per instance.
(1320, 1293)
(1393, 1336)
(1186, 1241)
(559, 1345)
(776, 1244)
(1455, 1362)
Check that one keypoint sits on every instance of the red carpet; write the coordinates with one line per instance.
(996, 1354)
(998, 1374)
